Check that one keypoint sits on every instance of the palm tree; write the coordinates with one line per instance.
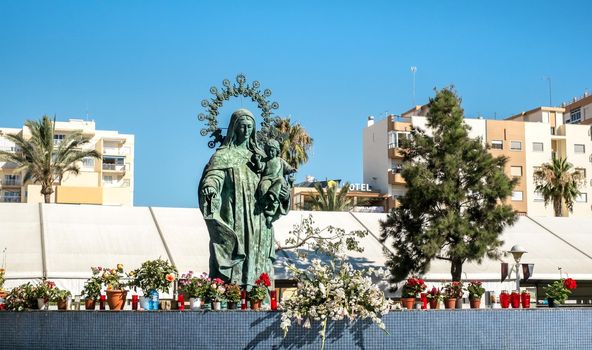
(294, 140)
(558, 184)
(332, 198)
(43, 161)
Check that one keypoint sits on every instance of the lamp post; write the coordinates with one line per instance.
(517, 252)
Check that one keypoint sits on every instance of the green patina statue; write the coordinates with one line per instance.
(242, 191)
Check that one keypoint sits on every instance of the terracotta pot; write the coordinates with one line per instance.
(434, 304)
(231, 305)
(63, 304)
(3, 294)
(89, 304)
(116, 299)
(475, 303)
(450, 303)
(408, 303)
(255, 304)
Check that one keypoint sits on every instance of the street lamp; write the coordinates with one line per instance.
(517, 252)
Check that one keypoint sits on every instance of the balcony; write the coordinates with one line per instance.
(114, 167)
(395, 153)
(116, 151)
(10, 199)
(117, 183)
(395, 178)
(10, 183)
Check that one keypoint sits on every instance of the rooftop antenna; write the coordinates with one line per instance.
(413, 70)
(548, 79)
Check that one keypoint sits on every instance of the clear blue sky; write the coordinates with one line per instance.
(143, 67)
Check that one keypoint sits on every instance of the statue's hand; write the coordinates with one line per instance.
(284, 193)
(208, 192)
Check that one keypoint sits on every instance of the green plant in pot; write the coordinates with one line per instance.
(558, 291)
(92, 290)
(232, 295)
(21, 298)
(411, 289)
(113, 280)
(434, 296)
(44, 292)
(194, 288)
(476, 291)
(62, 297)
(153, 276)
(452, 292)
(259, 291)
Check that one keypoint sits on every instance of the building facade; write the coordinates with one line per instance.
(108, 181)
(528, 139)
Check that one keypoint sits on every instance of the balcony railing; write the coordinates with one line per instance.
(114, 167)
(11, 199)
(11, 149)
(120, 183)
(124, 151)
(10, 182)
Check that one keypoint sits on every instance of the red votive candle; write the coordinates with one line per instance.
(102, 302)
(273, 296)
(515, 300)
(504, 299)
(181, 302)
(424, 301)
(243, 299)
(134, 302)
(525, 296)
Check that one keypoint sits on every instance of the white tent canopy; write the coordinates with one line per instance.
(62, 242)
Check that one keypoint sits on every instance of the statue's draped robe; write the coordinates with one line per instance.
(241, 245)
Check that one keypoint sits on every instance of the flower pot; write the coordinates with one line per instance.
(89, 304)
(152, 300)
(504, 299)
(64, 304)
(475, 303)
(525, 298)
(195, 304)
(42, 303)
(551, 302)
(408, 303)
(216, 305)
(450, 303)
(116, 299)
(231, 305)
(515, 300)
(434, 304)
(255, 304)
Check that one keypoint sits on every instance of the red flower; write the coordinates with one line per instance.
(570, 283)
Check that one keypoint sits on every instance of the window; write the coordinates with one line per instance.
(582, 171)
(582, 197)
(108, 179)
(538, 197)
(537, 147)
(497, 144)
(395, 138)
(88, 162)
(11, 180)
(516, 195)
(515, 145)
(58, 138)
(516, 170)
(575, 116)
(579, 148)
(552, 130)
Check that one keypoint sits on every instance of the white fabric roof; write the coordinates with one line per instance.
(76, 237)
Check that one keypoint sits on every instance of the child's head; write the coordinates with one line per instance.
(272, 148)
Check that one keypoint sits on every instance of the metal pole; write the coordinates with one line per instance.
(517, 276)
(550, 99)
(413, 70)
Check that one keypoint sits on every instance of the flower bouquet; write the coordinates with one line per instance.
(558, 291)
(260, 291)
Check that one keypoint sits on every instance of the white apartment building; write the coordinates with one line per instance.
(528, 140)
(109, 181)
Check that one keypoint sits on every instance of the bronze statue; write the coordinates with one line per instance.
(241, 235)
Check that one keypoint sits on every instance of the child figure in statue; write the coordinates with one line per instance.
(273, 176)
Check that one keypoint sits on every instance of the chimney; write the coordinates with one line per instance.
(370, 121)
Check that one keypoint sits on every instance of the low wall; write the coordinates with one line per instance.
(561, 328)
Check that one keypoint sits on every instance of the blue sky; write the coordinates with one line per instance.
(143, 67)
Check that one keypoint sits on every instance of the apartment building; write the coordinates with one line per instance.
(109, 181)
(578, 110)
(528, 140)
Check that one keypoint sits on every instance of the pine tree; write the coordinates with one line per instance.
(454, 208)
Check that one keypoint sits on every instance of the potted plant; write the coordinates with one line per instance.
(412, 287)
(558, 291)
(112, 279)
(232, 295)
(476, 291)
(194, 288)
(44, 293)
(63, 298)
(434, 296)
(452, 291)
(259, 291)
(153, 276)
(92, 289)
(216, 292)
(21, 298)
(3, 293)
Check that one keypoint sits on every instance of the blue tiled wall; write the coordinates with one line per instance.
(443, 329)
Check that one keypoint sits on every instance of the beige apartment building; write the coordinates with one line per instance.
(109, 181)
(528, 140)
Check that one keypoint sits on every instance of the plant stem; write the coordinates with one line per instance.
(324, 334)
